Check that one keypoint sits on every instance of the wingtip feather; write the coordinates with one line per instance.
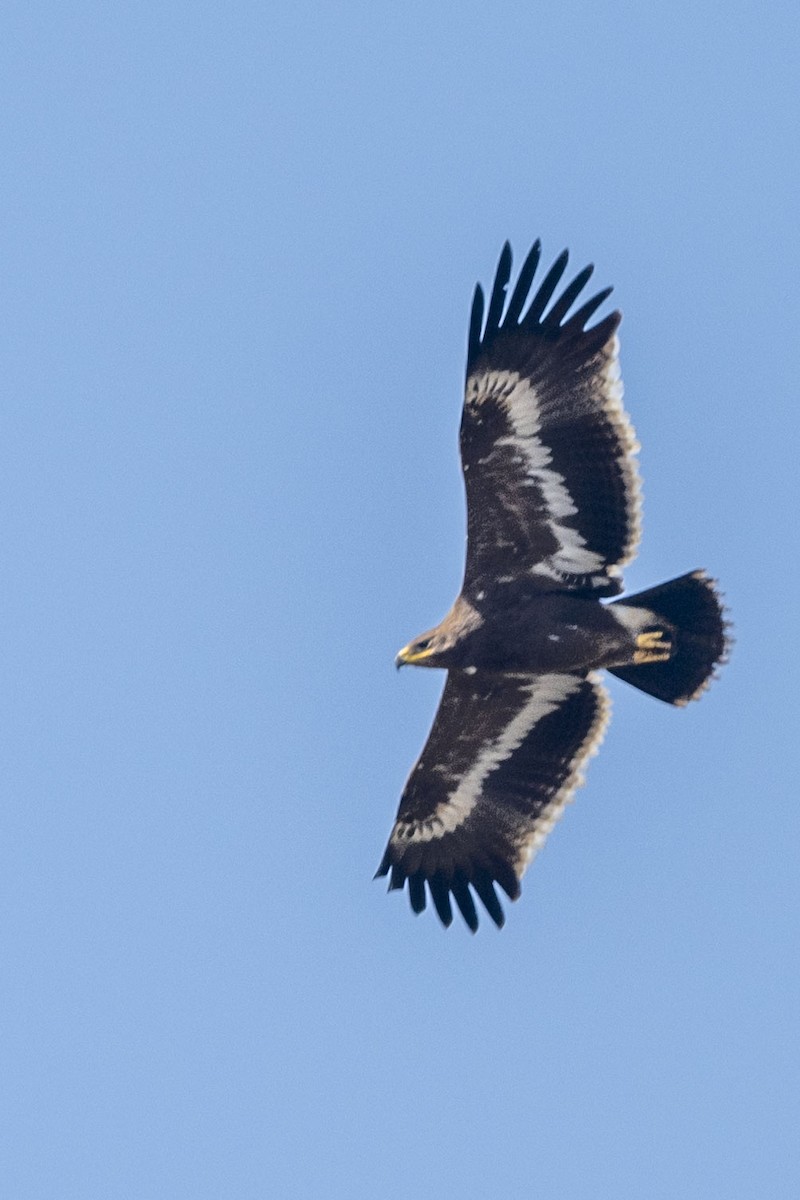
(475, 322)
(579, 319)
(383, 868)
(567, 298)
(416, 892)
(463, 896)
(498, 297)
(484, 886)
(440, 894)
(546, 289)
(523, 284)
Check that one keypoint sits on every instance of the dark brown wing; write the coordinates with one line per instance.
(502, 759)
(546, 447)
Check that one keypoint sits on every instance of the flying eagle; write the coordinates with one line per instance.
(553, 510)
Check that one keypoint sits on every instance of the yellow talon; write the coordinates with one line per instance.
(653, 639)
(652, 647)
(649, 656)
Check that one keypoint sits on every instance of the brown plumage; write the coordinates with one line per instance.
(553, 515)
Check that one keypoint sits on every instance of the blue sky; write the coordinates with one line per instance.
(239, 247)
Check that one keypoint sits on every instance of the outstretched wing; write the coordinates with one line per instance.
(546, 447)
(503, 758)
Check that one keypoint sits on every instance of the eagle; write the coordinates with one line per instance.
(553, 515)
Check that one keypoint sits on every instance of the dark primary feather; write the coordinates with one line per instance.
(460, 889)
(416, 891)
(484, 886)
(579, 319)
(498, 297)
(480, 338)
(440, 893)
(476, 321)
(523, 287)
(545, 292)
(567, 298)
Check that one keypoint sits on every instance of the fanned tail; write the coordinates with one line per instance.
(691, 606)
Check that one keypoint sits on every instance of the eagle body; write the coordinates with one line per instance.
(512, 629)
(553, 516)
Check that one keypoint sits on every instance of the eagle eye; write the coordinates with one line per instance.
(423, 645)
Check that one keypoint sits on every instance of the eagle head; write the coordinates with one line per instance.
(424, 651)
(434, 648)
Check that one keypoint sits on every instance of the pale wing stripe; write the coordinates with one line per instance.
(519, 399)
(544, 694)
(521, 403)
(553, 811)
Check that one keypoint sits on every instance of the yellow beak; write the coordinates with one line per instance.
(407, 657)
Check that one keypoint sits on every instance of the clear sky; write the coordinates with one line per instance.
(238, 249)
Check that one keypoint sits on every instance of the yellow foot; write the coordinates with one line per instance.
(652, 647)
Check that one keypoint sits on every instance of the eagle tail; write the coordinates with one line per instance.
(691, 605)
